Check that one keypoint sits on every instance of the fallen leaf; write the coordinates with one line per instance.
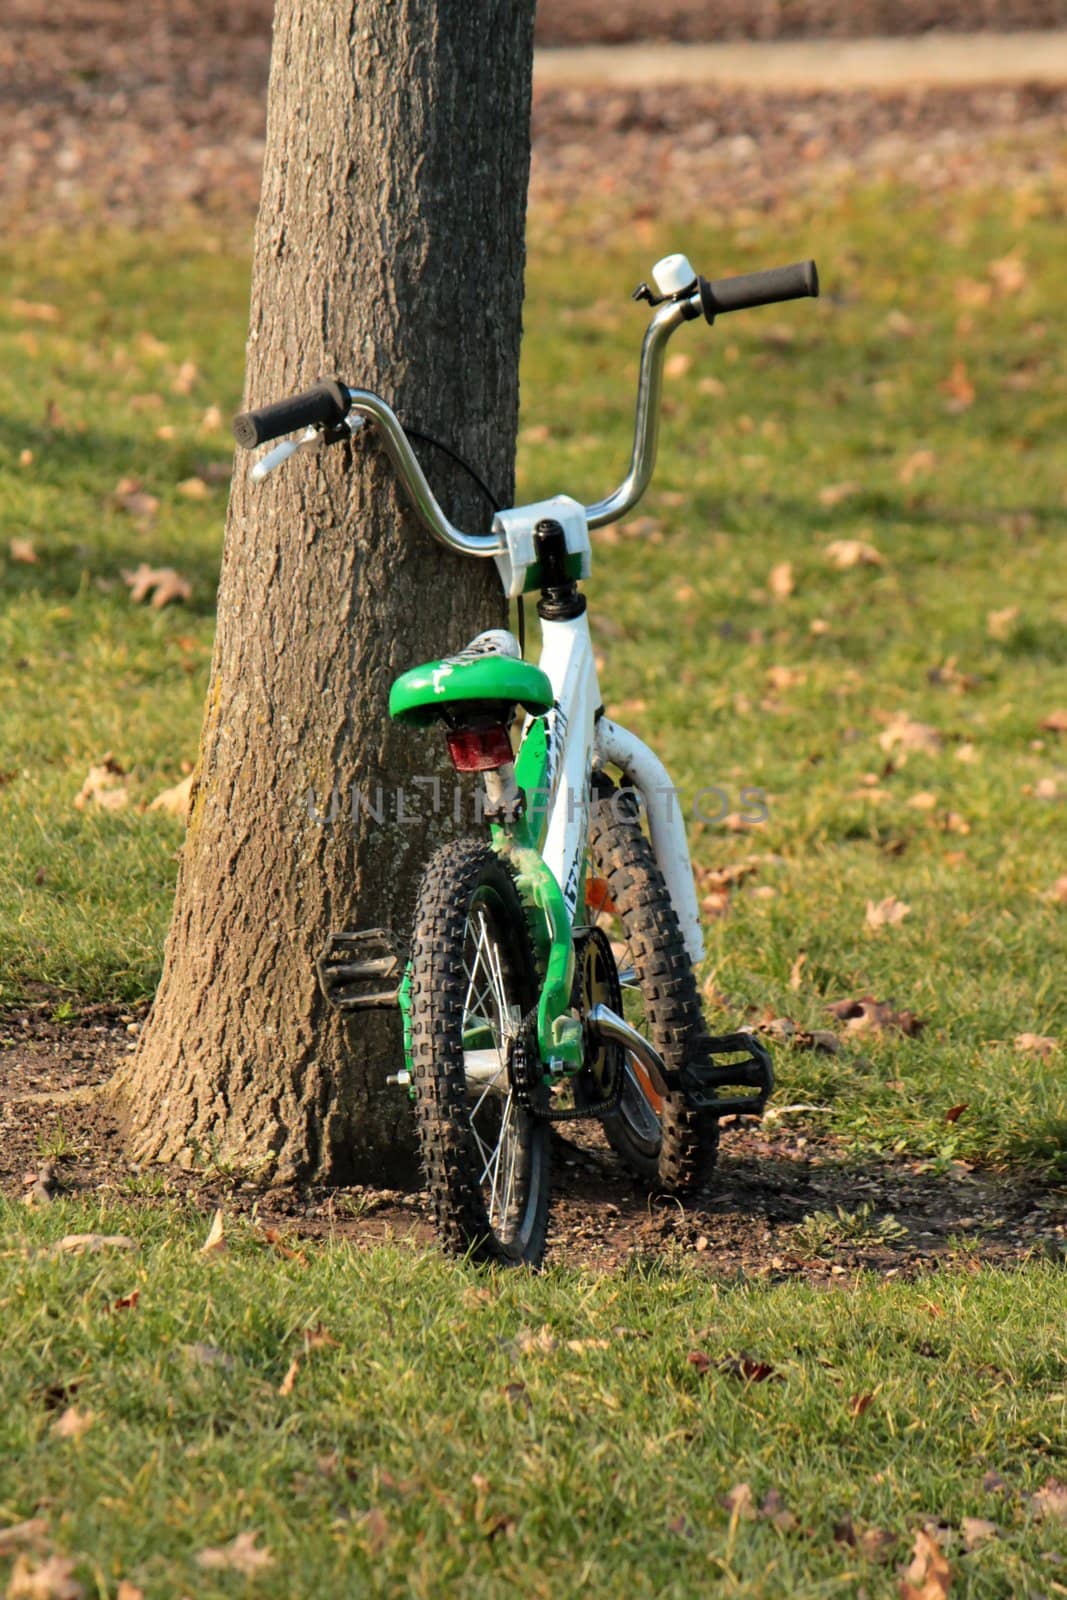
(739, 1503)
(162, 583)
(517, 1394)
(211, 421)
(773, 1509)
(954, 1113)
(274, 1238)
(194, 489)
(1055, 722)
(1058, 892)
(72, 1423)
(135, 500)
(796, 970)
(904, 733)
(526, 1342)
(866, 1014)
(1001, 624)
(678, 365)
(834, 493)
(318, 1338)
(846, 553)
(959, 388)
(242, 1555)
(48, 1580)
(1008, 274)
(580, 1345)
(859, 1403)
(925, 800)
(749, 1369)
(679, 1526)
(175, 800)
(33, 310)
(976, 1531)
(780, 582)
(288, 1383)
(77, 1242)
(874, 1543)
(501, 1525)
(887, 913)
(697, 1359)
(22, 550)
(126, 1302)
(1037, 1044)
(993, 1483)
(216, 1238)
(928, 1577)
(17, 1534)
(972, 293)
(102, 787)
(919, 462)
(1049, 1504)
(185, 377)
(782, 678)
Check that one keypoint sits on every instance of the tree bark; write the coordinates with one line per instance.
(389, 249)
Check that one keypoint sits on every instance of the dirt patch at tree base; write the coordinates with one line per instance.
(783, 1204)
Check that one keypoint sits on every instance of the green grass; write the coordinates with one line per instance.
(846, 390)
(446, 1443)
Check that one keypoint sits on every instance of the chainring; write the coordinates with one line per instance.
(596, 982)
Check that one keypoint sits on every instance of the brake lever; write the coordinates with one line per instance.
(313, 438)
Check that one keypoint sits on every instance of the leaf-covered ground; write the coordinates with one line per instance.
(213, 1413)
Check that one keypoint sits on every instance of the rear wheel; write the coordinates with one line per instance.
(485, 1151)
(659, 1138)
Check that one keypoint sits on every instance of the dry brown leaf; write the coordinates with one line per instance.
(781, 582)
(541, 1343)
(976, 1531)
(925, 800)
(928, 1577)
(216, 1237)
(242, 1555)
(698, 1359)
(774, 1510)
(1058, 893)
(846, 553)
(580, 1345)
(796, 970)
(749, 1369)
(33, 310)
(72, 1423)
(954, 1113)
(1008, 274)
(834, 493)
(22, 550)
(135, 500)
(162, 583)
(288, 1383)
(1050, 1503)
(904, 733)
(1036, 1044)
(48, 1580)
(194, 489)
(1001, 624)
(17, 1534)
(185, 377)
(175, 800)
(128, 1591)
(376, 1527)
(859, 1403)
(919, 462)
(887, 913)
(782, 678)
(867, 1015)
(211, 421)
(959, 388)
(1055, 722)
(77, 1242)
(678, 365)
(739, 1503)
(972, 293)
(102, 787)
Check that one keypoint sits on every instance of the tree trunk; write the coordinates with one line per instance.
(389, 249)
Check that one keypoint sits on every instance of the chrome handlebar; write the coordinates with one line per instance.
(368, 407)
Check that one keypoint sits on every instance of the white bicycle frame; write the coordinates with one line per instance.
(581, 738)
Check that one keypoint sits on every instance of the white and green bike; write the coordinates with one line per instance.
(550, 969)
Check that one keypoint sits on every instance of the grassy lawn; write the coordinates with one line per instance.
(891, 711)
(567, 1435)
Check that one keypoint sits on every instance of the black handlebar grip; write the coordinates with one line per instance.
(759, 289)
(327, 401)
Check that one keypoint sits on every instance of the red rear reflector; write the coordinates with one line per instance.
(479, 749)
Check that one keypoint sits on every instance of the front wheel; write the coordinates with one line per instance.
(485, 1151)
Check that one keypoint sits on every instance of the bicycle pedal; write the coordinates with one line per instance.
(745, 1064)
(363, 970)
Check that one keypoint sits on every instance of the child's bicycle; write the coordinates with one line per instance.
(550, 970)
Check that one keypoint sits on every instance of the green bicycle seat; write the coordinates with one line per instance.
(425, 692)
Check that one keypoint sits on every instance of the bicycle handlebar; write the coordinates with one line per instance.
(332, 403)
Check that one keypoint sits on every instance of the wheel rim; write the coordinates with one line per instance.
(501, 1126)
(640, 1103)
